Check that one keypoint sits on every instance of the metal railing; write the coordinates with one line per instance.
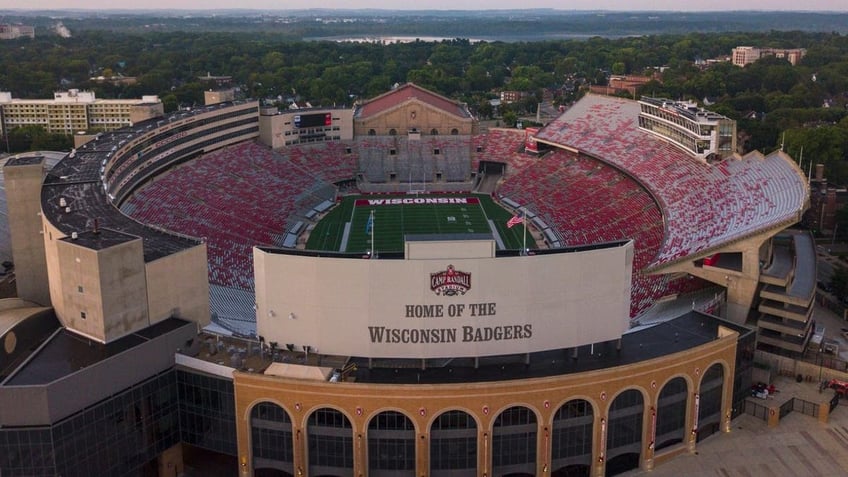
(757, 410)
(805, 407)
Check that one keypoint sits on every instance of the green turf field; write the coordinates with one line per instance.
(394, 220)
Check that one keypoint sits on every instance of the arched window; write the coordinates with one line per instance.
(372, 132)
(624, 432)
(709, 401)
(453, 445)
(393, 132)
(330, 442)
(271, 438)
(671, 413)
(391, 445)
(571, 439)
(454, 132)
(434, 132)
(514, 441)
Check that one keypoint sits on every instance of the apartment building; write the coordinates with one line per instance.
(73, 111)
(13, 32)
(743, 55)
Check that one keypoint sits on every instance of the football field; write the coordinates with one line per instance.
(349, 227)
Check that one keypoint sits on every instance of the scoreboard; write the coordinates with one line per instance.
(313, 120)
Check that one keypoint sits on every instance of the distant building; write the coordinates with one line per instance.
(508, 97)
(826, 199)
(218, 89)
(620, 84)
(116, 80)
(743, 55)
(702, 133)
(12, 32)
(74, 110)
(222, 95)
(215, 81)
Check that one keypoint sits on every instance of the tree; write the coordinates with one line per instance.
(36, 138)
(510, 118)
(824, 144)
(619, 68)
(839, 282)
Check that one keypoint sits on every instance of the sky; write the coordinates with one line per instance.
(629, 5)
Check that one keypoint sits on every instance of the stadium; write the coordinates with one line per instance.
(388, 290)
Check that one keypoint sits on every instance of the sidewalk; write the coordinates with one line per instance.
(799, 446)
(834, 324)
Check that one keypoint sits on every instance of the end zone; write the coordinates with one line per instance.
(416, 201)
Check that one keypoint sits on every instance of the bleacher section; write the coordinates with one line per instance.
(706, 206)
(427, 160)
(233, 309)
(502, 145)
(587, 201)
(329, 161)
(233, 198)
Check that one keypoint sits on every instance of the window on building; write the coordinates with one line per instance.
(453, 444)
(391, 442)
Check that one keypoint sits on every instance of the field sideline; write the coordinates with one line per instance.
(398, 215)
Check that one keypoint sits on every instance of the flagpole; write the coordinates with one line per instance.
(372, 232)
(524, 224)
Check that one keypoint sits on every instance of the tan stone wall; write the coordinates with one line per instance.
(741, 285)
(122, 286)
(178, 285)
(81, 139)
(51, 255)
(413, 114)
(143, 112)
(23, 195)
(485, 401)
(107, 286)
(277, 128)
(219, 96)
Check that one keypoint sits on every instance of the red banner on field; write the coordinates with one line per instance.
(417, 201)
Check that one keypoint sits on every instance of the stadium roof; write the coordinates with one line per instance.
(76, 182)
(409, 91)
(705, 206)
(100, 239)
(66, 352)
(14, 311)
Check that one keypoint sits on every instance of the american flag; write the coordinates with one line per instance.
(515, 220)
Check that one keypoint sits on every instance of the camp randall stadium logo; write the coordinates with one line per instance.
(450, 282)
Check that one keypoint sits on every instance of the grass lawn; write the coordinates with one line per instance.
(398, 215)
